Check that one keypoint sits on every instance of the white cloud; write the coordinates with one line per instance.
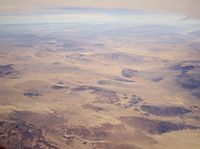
(188, 7)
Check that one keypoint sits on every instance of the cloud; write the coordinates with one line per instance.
(190, 8)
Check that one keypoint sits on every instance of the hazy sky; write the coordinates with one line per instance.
(188, 7)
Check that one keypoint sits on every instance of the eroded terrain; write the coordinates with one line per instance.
(97, 86)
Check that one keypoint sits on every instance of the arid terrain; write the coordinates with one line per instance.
(100, 86)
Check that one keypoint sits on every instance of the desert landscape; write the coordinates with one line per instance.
(100, 84)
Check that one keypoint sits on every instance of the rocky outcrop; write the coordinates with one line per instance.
(18, 134)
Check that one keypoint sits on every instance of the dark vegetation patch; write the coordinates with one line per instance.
(6, 70)
(56, 63)
(102, 95)
(121, 57)
(107, 96)
(183, 68)
(128, 73)
(189, 81)
(122, 79)
(32, 93)
(94, 133)
(57, 87)
(117, 146)
(42, 120)
(93, 107)
(18, 135)
(155, 126)
(133, 102)
(119, 79)
(103, 82)
(164, 110)
(158, 79)
(84, 88)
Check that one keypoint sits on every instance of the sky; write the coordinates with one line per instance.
(191, 8)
